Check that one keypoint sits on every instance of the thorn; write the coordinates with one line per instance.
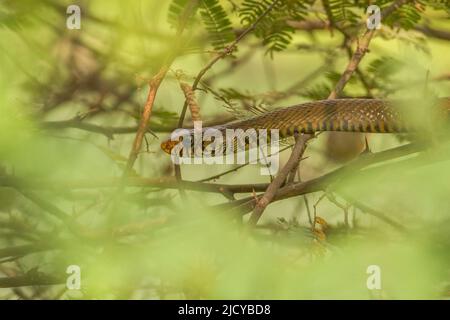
(254, 195)
(366, 148)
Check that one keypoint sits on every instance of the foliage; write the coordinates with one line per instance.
(341, 12)
(181, 11)
(216, 23)
(274, 29)
(71, 102)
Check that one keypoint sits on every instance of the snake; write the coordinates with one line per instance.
(345, 115)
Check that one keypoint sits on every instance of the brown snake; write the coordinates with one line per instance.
(348, 115)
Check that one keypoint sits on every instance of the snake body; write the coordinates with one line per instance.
(348, 115)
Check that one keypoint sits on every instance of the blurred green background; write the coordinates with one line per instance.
(148, 242)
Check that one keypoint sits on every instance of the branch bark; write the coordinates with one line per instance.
(247, 204)
(171, 183)
(263, 202)
(146, 114)
(107, 131)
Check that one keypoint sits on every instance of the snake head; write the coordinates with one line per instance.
(168, 145)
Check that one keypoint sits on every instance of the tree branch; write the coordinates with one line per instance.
(107, 131)
(247, 204)
(435, 33)
(146, 114)
(262, 203)
(37, 279)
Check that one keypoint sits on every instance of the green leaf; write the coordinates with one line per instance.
(181, 11)
(273, 29)
(317, 92)
(404, 17)
(217, 23)
(341, 12)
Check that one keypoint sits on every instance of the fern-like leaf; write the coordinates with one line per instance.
(273, 29)
(317, 92)
(180, 12)
(380, 73)
(341, 12)
(217, 23)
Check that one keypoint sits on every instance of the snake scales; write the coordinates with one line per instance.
(348, 115)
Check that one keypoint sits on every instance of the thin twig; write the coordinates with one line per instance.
(37, 279)
(235, 168)
(154, 84)
(107, 131)
(364, 208)
(317, 25)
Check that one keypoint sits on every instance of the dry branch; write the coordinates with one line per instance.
(261, 204)
(38, 279)
(146, 114)
(321, 183)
